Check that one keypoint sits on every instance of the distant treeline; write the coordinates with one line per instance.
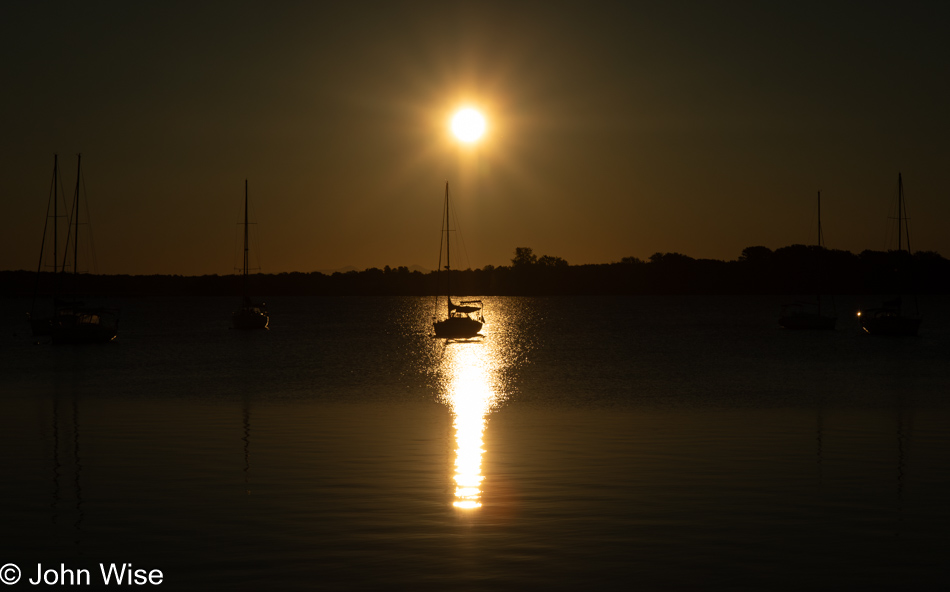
(797, 269)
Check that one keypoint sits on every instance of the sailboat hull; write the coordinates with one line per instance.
(249, 320)
(42, 327)
(84, 327)
(457, 327)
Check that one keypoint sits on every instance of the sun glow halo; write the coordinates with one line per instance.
(468, 125)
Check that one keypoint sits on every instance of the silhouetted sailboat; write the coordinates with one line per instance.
(42, 324)
(73, 321)
(889, 319)
(251, 315)
(806, 314)
(464, 319)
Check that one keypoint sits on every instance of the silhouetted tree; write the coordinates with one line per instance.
(549, 261)
(669, 259)
(524, 256)
(755, 255)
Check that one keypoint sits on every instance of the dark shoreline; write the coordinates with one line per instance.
(797, 269)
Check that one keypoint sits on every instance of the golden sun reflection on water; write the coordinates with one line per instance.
(471, 388)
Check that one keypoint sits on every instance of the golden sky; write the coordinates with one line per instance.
(614, 129)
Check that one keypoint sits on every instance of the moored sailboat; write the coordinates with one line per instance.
(41, 325)
(251, 315)
(890, 318)
(807, 314)
(73, 321)
(465, 318)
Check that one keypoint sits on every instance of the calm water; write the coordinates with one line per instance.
(650, 443)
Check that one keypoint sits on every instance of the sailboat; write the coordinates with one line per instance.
(889, 319)
(42, 325)
(463, 319)
(73, 321)
(251, 315)
(808, 315)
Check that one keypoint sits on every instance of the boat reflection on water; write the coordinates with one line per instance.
(471, 386)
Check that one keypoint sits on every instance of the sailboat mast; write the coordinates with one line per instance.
(244, 284)
(76, 215)
(819, 250)
(900, 212)
(55, 217)
(39, 265)
(448, 243)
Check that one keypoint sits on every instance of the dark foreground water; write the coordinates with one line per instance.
(582, 444)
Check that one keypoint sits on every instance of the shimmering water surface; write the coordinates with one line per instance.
(682, 443)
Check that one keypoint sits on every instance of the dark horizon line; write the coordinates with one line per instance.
(748, 254)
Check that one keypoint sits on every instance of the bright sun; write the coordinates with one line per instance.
(468, 125)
